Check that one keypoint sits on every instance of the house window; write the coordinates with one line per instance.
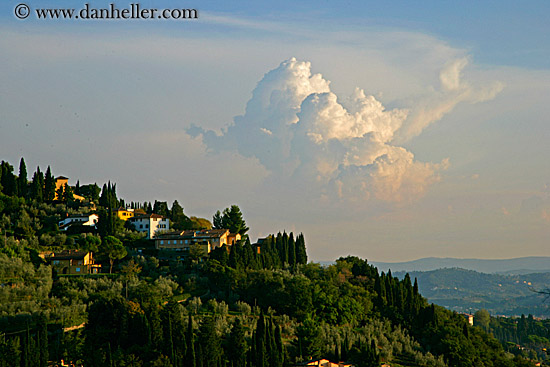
(146, 226)
(141, 226)
(162, 242)
(78, 270)
(56, 262)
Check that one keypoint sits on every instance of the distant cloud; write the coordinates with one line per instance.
(453, 90)
(298, 128)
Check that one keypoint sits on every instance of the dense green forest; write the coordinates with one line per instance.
(525, 335)
(250, 305)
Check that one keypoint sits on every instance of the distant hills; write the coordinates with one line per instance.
(503, 287)
(522, 265)
(468, 291)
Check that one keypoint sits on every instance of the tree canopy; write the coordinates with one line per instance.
(231, 219)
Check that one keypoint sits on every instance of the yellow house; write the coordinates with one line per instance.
(125, 214)
(323, 363)
(74, 262)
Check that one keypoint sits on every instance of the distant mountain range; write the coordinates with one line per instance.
(468, 291)
(522, 265)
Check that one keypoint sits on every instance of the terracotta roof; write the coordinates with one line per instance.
(68, 255)
(190, 233)
(61, 178)
(144, 216)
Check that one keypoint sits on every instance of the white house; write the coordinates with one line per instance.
(85, 220)
(150, 224)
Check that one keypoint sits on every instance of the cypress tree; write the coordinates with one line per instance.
(209, 342)
(285, 248)
(191, 359)
(25, 348)
(273, 352)
(280, 347)
(22, 179)
(291, 250)
(301, 254)
(237, 345)
(49, 186)
(261, 350)
(37, 185)
(43, 342)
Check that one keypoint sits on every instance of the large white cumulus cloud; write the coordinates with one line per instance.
(345, 148)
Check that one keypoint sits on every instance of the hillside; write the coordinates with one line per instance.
(212, 303)
(522, 265)
(468, 291)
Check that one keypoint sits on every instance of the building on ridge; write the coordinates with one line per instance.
(209, 239)
(74, 262)
(150, 224)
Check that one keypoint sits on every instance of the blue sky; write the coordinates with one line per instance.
(443, 153)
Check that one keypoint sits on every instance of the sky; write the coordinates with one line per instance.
(390, 131)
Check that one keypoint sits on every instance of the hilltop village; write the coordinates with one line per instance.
(87, 279)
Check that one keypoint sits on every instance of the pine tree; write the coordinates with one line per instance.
(161, 208)
(9, 182)
(217, 221)
(231, 219)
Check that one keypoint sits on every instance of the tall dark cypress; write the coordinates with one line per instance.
(37, 186)
(191, 360)
(291, 250)
(49, 186)
(237, 345)
(22, 179)
(261, 350)
(271, 346)
(380, 288)
(25, 348)
(301, 254)
(43, 342)
(280, 347)
(209, 342)
(285, 248)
